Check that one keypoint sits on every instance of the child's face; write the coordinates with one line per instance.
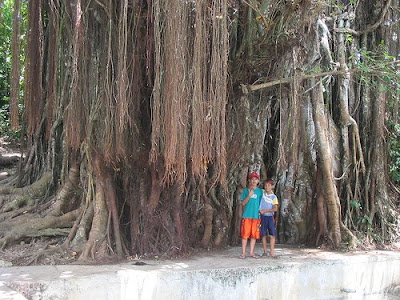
(268, 187)
(254, 181)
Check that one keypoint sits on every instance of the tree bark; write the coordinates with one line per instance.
(324, 154)
(15, 69)
(145, 142)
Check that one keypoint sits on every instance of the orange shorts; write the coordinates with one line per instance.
(250, 228)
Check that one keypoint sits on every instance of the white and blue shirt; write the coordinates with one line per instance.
(268, 202)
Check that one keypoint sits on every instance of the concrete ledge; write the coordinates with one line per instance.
(8, 294)
(297, 274)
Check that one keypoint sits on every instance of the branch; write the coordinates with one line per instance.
(257, 10)
(255, 87)
(369, 28)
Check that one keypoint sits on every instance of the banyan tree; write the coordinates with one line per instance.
(143, 119)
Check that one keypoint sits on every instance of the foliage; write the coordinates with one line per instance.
(5, 52)
(394, 165)
(381, 64)
(4, 118)
(385, 68)
(5, 122)
(355, 204)
(6, 58)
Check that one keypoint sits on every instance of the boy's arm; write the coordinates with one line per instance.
(274, 209)
(245, 200)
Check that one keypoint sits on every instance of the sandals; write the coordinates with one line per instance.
(253, 256)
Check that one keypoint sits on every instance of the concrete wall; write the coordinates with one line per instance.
(334, 277)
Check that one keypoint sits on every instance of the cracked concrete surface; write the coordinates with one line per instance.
(298, 273)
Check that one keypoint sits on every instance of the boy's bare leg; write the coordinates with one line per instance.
(264, 241)
(272, 246)
(252, 246)
(244, 245)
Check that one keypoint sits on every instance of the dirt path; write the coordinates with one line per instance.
(9, 156)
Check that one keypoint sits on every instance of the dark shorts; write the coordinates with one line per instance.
(267, 226)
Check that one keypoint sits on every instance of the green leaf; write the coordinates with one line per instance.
(355, 204)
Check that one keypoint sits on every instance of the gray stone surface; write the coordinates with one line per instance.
(4, 263)
(298, 273)
(7, 293)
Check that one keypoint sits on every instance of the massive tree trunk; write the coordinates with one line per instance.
(15, 70)
(325, 163)
(144, 118)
